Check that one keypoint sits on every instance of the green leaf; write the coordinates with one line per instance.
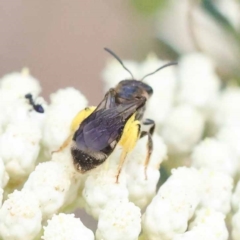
(211, 9)
(148, 6)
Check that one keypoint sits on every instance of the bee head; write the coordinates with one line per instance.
(128, 89)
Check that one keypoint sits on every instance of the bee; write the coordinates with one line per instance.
(95, 131)
(132, 89)
(37, 107)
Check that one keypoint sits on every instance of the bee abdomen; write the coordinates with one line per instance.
(85, 161)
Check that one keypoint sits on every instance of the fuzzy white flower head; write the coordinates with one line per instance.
(174, 204)
(183, 129)
(236, 197)
(163, 84)
(198, 233)
(20, 84)
(236, 224)
(186, 184)
(19, 149)
(231, 136)
(214, 220)
(215, 155)
(142, 189)
(227, 109)
(217, 190)
(1, 196)
(119, 220)
(198, 83)
(101, 188)
(65, 104)
(4, 177)
(208, 224)
(114, 73)
(76, 179)
(66, 226)
(15, 110)
(20, 216)
(50, 183)
(162, 221)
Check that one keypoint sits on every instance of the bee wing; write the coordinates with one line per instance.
(108, 101)
(104, 126)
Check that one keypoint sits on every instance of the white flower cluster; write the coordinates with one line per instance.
(40, 188)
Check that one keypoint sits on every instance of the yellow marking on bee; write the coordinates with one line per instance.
(128, 140)
(80, 117)
(130, 134)
(83, 114)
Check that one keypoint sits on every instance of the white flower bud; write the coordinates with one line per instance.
(66, 226)
(119, 220)
(163, 84)
(18, 109)
(4, 177)
(65, 104)
(174, 204)
(49, 183)
(101, 188)
(227, 109)
(142, 189)
(1, 196)
(199, 84)
(236, 197)
(183, 129)
(19, 149)
(208, 224)
(77, 180)
(215, 155)
(114, 73)
(20, 217)
(236, 224)
(217, 190)
(20, 84)
(231, 136)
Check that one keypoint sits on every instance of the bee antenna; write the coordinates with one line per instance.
(119, 60)
(164, 66)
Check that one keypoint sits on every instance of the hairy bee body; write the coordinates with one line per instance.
(96, 131)
(104, 127)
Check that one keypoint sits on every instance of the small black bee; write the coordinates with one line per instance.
(96, 131)
(99, 133)
(131, 89)
(37, 107)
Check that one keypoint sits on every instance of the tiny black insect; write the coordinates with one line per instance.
(37, 107)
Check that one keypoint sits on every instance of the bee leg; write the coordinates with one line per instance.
(128, 141)
(74, 126)
(122, 160)
(65, 144)
(152, 124)
(149, 150)
(149, 133)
